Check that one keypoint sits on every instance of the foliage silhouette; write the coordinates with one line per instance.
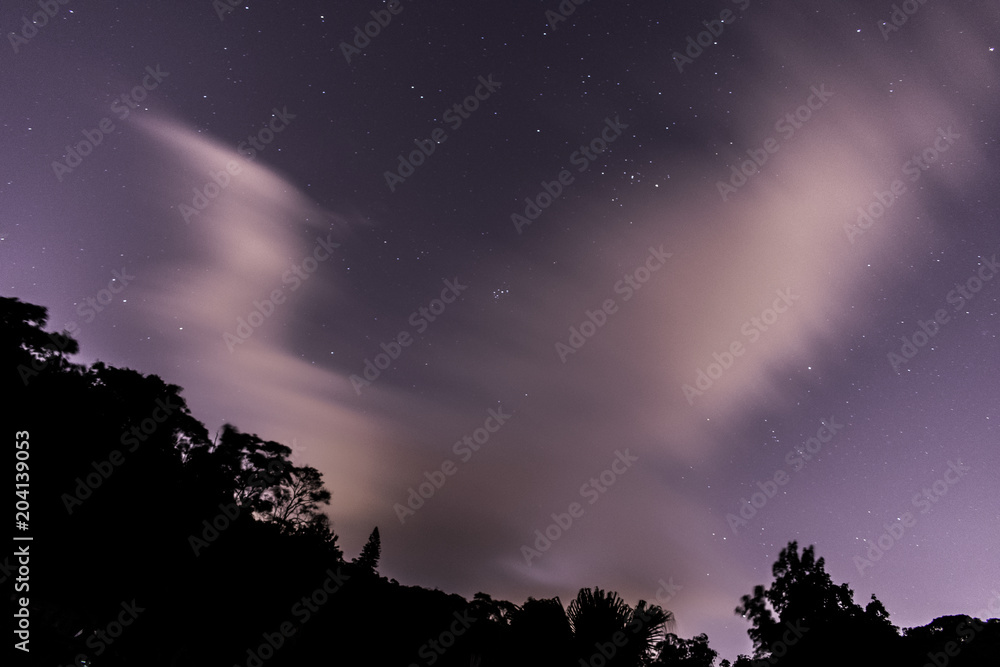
(818, 623)
(370, 553)
(678, 652)
(606, 625)
(122, 476)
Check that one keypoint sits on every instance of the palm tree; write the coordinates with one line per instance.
(649, 625)
(603, 623)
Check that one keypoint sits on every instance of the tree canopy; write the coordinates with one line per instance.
(219, 543)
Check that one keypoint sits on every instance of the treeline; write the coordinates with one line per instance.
(155, 543)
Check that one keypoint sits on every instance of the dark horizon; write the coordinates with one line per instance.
(261, 505)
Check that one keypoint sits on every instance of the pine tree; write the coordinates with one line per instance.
(371, 552)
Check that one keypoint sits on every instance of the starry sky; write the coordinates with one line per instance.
(691, 279)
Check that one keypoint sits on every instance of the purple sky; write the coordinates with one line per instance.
(770, 276)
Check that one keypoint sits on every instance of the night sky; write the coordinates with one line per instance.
(592, 269)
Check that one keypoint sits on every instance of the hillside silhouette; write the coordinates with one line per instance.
(156, 544)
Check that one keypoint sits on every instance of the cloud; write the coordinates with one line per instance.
(235, 252)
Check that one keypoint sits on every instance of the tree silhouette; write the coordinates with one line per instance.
(813, 614)
(370, 553)
(677, 652)
(603, 623)
(492, 634)
(802, 591)
(29, 351)
(117, 460)
(647, 625)
(295, 500)
(541, 634)
(484, 607)
(246, 464)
